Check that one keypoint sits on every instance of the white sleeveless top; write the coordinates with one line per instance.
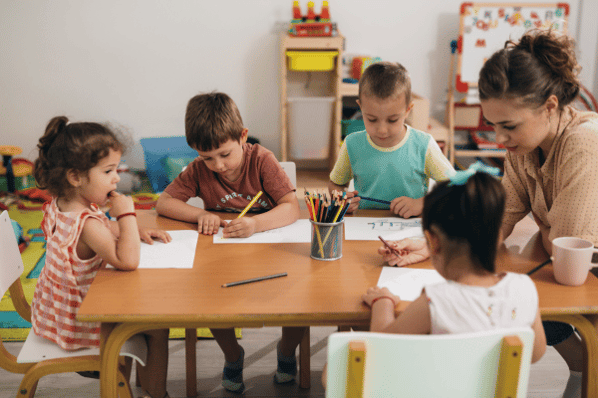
(459, 308)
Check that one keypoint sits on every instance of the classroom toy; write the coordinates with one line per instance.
(311, 24)
(15, 173)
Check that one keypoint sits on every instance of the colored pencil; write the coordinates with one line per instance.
(389, 247)
(386, 202)
(261, 278)
(540, 266)
(250, 204)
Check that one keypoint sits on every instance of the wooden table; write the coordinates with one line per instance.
(314, 293)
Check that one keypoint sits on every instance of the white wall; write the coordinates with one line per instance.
(137, 62)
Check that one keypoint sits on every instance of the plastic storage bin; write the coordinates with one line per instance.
(162, 156)
(310, 120)
(349, 126)
(311, 60)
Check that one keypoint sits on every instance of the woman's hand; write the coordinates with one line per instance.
(375, 292)
(413, 251)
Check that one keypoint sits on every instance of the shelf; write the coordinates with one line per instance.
(486, 153)
(326, 83)
(349, 89)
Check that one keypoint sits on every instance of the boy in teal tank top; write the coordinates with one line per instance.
(390, 160)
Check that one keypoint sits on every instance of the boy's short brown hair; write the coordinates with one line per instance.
(384, 80)
(210, 120)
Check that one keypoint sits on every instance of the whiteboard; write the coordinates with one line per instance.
(485, 27)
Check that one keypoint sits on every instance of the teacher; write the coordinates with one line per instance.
(551, 166)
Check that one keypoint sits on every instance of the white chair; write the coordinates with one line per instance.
(39, 357)
(291, 170)
(484, 364)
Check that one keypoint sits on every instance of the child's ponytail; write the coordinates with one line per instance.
(44, 164)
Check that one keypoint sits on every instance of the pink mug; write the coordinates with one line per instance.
(572, 260)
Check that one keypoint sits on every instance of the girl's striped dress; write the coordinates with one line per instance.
(65, 280)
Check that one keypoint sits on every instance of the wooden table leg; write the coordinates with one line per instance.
(191, 361)
(589, 336)
(109, 366)
(304, 361)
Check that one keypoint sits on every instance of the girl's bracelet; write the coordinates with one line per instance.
(125, 214)
(384, 297)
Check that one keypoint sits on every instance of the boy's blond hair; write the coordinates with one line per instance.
(212, 119)
(385, 80)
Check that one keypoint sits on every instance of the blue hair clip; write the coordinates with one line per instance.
(461, 177)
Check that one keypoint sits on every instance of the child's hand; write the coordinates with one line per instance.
(208, 223)
(407, 207)
(120, 204)
(354, 202)
(375, 292)
(239, 228)
(415, 251)
(149, 234)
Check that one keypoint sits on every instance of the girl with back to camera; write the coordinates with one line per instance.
(77, 164)
(461, 220)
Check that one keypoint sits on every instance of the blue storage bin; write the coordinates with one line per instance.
(161, 154)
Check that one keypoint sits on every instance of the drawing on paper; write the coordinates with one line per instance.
(386, 224)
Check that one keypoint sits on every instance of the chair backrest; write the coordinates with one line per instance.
(11, 263)
(291, 170)
(450, 365)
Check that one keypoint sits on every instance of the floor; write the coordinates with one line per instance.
(547, 380)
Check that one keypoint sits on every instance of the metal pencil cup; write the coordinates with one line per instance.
(326, 240)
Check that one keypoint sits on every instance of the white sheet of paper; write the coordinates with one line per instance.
(297, 232)
(407, 283)
(391, 228)
(179, 253)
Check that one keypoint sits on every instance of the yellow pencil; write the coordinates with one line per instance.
(246, 209)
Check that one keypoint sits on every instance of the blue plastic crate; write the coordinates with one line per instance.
(159, 153)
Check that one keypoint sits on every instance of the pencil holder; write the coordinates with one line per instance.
(326, 240)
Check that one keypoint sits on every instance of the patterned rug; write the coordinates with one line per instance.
(12, 326)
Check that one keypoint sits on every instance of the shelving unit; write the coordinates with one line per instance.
(468, 118)
(323, 84)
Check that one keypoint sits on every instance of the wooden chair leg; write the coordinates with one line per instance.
(304, 361)
(191, 361)
(124, 388)
(126, 365)
(138, 370)
(27, 390)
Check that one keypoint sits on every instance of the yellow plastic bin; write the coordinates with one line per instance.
(311, 60)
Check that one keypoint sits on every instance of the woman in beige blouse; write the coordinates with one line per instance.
(551, 167)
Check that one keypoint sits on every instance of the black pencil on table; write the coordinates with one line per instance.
(540, 266)
(261, 278)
